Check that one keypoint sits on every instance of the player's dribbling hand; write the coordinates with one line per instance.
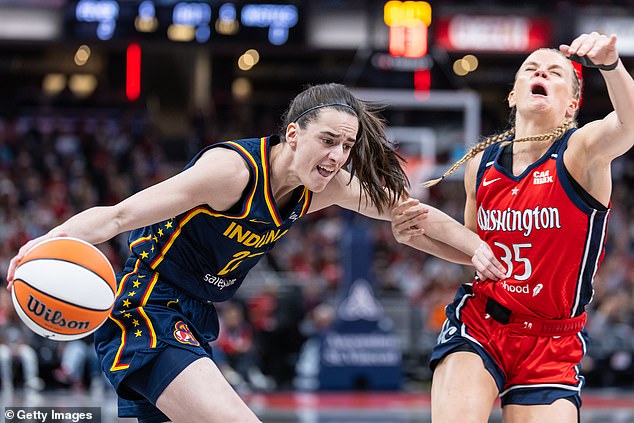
(21, 253)
(486, 264)
(407, 218)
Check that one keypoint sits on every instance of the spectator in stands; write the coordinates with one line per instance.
(15, 347)
(611, 361)
(236, 355)
(75, 358)
(314, 328)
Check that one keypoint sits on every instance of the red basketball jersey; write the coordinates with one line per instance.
(549, 238)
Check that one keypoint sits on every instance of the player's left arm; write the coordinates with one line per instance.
(423, 227)
(436, 232)
(444, 237)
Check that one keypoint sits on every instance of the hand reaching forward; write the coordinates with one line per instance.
(407, 228)
(407, 220)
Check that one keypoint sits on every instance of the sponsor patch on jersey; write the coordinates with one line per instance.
(184, 335)
(542, 177)
(517, 289)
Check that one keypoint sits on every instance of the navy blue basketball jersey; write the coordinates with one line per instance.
(208, 253)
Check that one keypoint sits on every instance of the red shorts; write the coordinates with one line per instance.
(528, 367)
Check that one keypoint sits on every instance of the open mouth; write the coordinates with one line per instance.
(325, 172)
(538, 89)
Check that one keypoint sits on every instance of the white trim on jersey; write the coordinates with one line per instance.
(544, 385)
(584, 263)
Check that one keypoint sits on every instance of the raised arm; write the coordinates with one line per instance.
(613, 135)
(596, 144)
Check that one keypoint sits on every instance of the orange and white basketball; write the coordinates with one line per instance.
(64, 288)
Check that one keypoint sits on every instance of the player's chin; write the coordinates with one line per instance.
(319, 184)
(317, 187)
(540, 104)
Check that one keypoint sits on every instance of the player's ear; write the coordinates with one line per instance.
(573, 107)
(291, 134)
(511, 99)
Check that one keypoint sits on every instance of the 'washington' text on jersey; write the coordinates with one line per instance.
(547, 231)
(525, 221)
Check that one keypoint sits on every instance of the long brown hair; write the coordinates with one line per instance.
(373, 158)
(494, 139)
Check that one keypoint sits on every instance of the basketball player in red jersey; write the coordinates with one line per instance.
(539, 196)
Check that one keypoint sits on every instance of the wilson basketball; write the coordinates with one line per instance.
(64, 288)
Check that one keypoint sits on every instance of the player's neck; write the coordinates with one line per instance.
(533, 127)
(283, 177)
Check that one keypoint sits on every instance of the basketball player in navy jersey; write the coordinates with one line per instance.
(539, 196)
(195, 236)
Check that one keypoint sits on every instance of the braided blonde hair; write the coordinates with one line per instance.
(494, 139)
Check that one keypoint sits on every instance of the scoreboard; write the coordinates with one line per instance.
(201, 22)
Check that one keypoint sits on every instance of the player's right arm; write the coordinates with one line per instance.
(462, 246)
(444, 237)
(217, 179)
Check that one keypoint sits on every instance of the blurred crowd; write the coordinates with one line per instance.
(53, 167)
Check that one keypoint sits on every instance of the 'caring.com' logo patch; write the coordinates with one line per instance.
(183, 334)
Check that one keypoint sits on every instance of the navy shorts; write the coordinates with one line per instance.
(150, 381)
(154, 331)
(455, 336)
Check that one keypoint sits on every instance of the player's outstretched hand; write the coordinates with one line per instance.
(407, 218)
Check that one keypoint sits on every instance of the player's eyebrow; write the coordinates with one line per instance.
(336, 135)
(554, 65)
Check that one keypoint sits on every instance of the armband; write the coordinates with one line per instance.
(585, 61)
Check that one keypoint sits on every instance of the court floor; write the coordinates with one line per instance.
(332, 407)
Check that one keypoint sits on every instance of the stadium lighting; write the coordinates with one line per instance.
(82, 55)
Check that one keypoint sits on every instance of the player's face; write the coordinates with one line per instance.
(544, 84)
(323, 147)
